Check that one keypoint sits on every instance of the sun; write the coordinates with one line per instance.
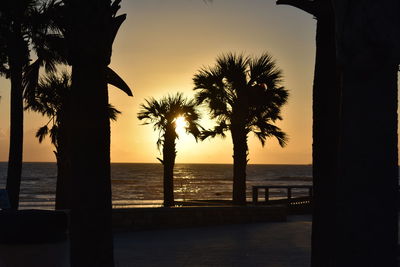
(180, 125)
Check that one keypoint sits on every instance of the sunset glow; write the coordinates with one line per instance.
(180, 124)
(159, 48)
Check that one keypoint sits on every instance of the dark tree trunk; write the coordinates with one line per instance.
(239, 140)
(366, 211)
(367, 189)
(63, 188)
(326, 109)
(326, 105)
(169, 154)
(91, 207)
(91, 235)
(16, 137)
(16, 60)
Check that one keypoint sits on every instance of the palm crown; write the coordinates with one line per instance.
(246, 88)
(52, 99)
(164, 112)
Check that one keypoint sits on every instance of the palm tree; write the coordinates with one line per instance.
(90, 28)
(163, 114)
(243, 94)
(23, 25)
(17, 53)
(52, 99)
(326, 107)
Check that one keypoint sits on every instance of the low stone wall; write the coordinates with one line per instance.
(153, 218)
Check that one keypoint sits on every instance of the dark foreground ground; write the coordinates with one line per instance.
(280, 244)
(283, 244)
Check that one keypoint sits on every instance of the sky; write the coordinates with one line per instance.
(160, 47)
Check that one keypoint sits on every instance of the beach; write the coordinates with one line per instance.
(140, 184)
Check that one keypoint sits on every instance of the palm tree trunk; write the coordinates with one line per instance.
(91, 208)
(169, 154)
(367, 188)
(63, 187)
(366, 210)
(239, 140)
(326, 109)
(16, 59)
(91, 235)
(326, 103)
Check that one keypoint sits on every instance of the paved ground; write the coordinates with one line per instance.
(263, 244)
(284, 244)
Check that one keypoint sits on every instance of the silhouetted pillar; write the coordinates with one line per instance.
(366, 193)
(326, 94)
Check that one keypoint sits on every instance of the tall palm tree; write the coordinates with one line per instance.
(22, 25)
(12, 14)
(244, 94)
(326, 107)
(90, 28)
(52, 99)
(163, 114)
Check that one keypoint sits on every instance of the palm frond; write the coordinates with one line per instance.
(264, 130)
(162, 114)
(30, 80)
(113, 112)
(219, 130)
(263, 70)
(42, 132)
(54, 134)
(114, 79)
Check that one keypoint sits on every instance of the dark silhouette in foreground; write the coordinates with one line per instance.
(358, 225)
(51, 98)
(90, 28)
(326, 94)
(23, 26)
(163, 114)
(243, 95)
(366, 207)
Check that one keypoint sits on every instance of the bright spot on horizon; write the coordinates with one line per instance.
(180, 125)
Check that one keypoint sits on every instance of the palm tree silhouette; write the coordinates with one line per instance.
(88, 29)
(163, 114)
(23, 25)
(51, 98)
(326, 110)
(243, 94)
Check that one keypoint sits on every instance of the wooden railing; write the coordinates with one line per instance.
(289, 188)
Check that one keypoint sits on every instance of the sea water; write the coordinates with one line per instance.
(140, 184)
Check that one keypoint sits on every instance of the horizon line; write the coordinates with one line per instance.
(216, 163)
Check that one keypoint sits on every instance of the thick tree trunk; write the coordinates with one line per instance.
(91, 207)
(169, 154)
(91, 235)
(367, 189)
(326, 108)
(16, 137)
(368, 42)
(16, 59)
(239, 140)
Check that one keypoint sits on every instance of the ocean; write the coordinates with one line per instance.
(140, 184)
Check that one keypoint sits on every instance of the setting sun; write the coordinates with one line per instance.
(180, 124)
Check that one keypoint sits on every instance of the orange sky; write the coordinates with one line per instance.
(160, 47)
